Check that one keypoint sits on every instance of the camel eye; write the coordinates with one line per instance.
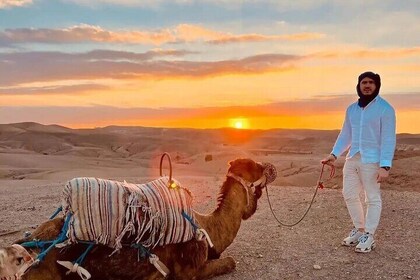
(19, 260)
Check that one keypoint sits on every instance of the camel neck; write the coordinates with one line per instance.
(223, 224)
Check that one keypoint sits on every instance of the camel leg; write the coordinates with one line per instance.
(216, 267)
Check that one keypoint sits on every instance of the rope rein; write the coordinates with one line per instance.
(320, 185)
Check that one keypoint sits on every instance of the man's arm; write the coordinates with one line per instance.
(388, 138)
(343, 141)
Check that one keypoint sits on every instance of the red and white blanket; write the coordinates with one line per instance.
(111, 213)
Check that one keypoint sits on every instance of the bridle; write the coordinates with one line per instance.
(268, 176)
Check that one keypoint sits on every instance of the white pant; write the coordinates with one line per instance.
(358, 177)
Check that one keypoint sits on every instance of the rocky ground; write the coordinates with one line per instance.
(265, 250)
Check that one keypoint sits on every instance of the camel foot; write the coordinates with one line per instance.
(216, 267)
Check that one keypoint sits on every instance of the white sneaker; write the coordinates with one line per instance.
(366, 243)
(353, 238)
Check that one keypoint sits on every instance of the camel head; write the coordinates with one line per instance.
(14, 260)
(253, 177)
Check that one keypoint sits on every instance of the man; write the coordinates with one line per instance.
(368, 134)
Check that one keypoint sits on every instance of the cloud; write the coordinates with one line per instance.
(20, 68)
(107, 115)
(46, 90)
(84, 33)
(390, 53)
(264, 38)
(14, 3)
(181, 33)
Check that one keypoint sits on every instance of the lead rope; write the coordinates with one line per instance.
(320, 185)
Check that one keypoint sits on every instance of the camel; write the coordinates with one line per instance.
(194, 259)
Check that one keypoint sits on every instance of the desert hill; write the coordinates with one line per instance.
(296, 153)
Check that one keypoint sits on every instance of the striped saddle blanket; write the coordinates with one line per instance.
(111, 213)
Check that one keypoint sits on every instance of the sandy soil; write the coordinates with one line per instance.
(32, 175)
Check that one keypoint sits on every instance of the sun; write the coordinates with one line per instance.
(239, 123)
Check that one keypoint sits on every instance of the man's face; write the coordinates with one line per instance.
(367, 86)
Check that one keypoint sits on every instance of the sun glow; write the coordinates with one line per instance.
(240, 123)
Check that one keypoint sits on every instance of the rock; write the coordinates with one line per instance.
(317, 267)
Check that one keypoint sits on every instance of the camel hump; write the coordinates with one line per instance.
(110, 212)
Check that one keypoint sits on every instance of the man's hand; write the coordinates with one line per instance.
(329, 160)
(382, 175)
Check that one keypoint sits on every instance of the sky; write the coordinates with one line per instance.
(256, 64)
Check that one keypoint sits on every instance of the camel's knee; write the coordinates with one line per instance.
(230, 263)
(217, 267)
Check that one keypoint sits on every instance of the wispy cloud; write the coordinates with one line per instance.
(106, 115)
(46, 90)
(181, 33)
(262, 38)
(51, 66)
(14, 3)
(84, 33)
(390, 53)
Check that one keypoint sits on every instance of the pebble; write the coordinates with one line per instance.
(260, 256)
(317, 267)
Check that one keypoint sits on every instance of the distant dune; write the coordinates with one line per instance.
(32, 150)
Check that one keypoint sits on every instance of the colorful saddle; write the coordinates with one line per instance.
(111, 213)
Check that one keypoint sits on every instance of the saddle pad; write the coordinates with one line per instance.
(110, 212)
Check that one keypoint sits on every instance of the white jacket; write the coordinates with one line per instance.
(370, 131)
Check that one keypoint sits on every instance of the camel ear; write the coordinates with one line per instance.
(25, 254)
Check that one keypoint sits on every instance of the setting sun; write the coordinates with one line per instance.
(240, 123)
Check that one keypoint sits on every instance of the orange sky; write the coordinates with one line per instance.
(292, 64)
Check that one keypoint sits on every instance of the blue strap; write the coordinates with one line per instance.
(36, 244)
(83, 256)
(60, 238)
(59, 209)
(186, 216)
(142, 251)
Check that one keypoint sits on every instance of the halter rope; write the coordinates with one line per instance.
(320, 185)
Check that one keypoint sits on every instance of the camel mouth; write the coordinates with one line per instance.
(269, 171)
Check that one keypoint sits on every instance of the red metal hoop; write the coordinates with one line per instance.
(170, 165)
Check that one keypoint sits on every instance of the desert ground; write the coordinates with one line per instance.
(36, 161)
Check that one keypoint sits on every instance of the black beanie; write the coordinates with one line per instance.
(366, 99)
